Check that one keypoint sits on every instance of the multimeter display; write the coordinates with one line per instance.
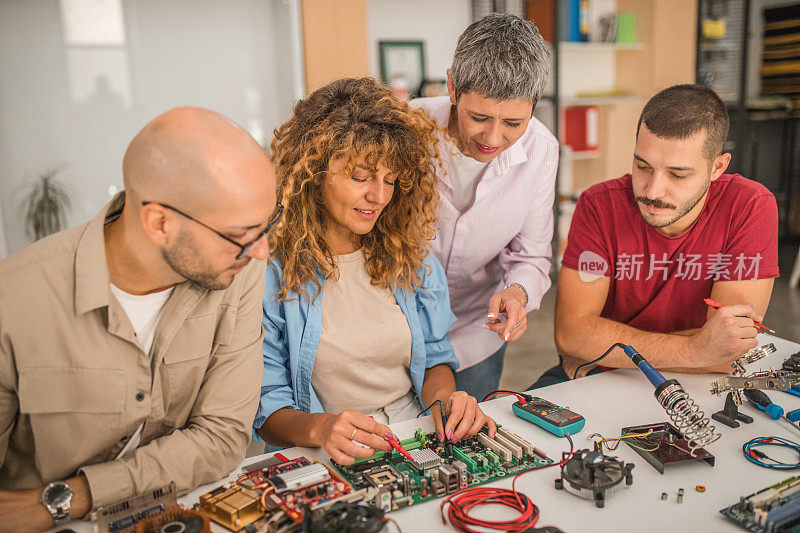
(558, 420)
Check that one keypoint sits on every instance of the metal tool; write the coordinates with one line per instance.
(680, 407)
(762, 401)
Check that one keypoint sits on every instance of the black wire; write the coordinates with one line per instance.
(615, 345)
(431, 406)
(527, 397)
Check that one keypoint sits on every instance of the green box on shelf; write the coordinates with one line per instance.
(626, 28)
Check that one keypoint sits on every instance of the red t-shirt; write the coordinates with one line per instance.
(658, 282)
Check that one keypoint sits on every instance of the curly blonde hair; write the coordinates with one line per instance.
(351, 118)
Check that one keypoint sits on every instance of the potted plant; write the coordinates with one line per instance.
(46, 204)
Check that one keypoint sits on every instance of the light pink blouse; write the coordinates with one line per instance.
(503, 238)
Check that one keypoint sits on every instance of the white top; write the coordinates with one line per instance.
(464, 173)
(144, 312)
(364, 352)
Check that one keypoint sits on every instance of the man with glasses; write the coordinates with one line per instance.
(130, 346)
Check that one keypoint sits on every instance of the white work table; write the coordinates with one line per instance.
(609, 402)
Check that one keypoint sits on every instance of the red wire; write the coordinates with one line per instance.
(520, 398)
(463, 501)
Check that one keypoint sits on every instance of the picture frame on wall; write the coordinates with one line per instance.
(403, 66)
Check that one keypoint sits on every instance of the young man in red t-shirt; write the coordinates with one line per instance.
(645, 249)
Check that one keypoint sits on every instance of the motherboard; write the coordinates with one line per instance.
(280, 494)
(438, 469)
(771, 510)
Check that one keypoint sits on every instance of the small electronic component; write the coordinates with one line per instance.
(775, 508)
(491, 457)
(257, 478)
(233, 507)
(382, 476)
(558, 420)
(526, 446)
(700, 488)
(472, 464)
(448, 477)
(663, 495)
(495, 446)
(406, 483)
(680, 496)
(362, 496)
(299, 478)
(425, 458)
(463, 476)
(122, 517)
(384, 502)
(516, 451)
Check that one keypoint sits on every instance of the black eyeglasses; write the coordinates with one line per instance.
(243, 247)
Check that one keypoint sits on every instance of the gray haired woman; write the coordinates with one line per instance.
(497, 189)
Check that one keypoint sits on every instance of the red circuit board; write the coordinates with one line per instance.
(258, 478)
(292, 503)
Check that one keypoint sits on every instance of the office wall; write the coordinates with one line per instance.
(78, 78)
(334, 40)
(437, 23)
(3, 248)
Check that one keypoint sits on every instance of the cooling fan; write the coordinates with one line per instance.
(175, 520)
(590, 474)
(348, 518)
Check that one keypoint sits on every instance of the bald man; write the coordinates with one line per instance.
(130, 346)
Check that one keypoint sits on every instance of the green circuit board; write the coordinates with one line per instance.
(774, 509)
(436, 471)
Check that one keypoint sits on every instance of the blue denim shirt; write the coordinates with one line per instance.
(292, 331)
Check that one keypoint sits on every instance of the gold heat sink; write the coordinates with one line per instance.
(233, 508)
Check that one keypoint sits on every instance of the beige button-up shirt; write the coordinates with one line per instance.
(75, 386)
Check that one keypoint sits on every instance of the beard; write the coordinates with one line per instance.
(183, 258)
(680, 211)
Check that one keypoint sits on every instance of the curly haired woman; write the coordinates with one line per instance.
(356, 310)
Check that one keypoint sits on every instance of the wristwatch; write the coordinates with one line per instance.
(56, 498)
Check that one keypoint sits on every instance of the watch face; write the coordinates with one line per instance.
(57, 494)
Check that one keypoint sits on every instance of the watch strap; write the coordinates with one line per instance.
(60, 513)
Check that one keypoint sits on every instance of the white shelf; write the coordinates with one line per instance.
(573, 45)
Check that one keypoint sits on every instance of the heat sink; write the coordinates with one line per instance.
(425, 458)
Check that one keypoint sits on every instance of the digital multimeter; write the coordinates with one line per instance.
(558, 420)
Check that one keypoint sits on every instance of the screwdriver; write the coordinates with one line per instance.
(762, 401)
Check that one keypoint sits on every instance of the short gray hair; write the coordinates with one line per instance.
(502, 57)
